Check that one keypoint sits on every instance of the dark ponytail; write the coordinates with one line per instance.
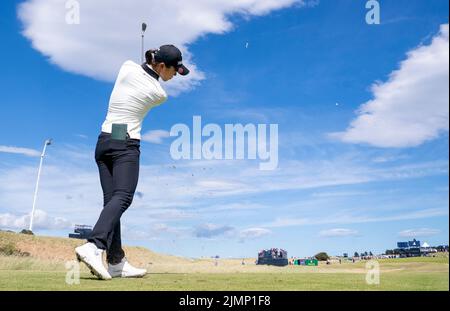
(149, 57)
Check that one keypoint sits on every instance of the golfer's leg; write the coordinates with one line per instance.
(125, 176)
(106, 180)
(115, 253)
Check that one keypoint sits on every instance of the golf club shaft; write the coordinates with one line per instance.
(142, 49)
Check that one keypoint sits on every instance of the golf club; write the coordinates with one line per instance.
(144, 28)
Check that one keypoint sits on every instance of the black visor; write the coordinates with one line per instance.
(182, 70)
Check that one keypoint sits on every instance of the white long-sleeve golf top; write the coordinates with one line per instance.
(136, 91)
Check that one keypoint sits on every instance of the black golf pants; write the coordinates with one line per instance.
(118, 165)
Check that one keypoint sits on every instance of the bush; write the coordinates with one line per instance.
(25, 231)
(322, 256)
(8, 249)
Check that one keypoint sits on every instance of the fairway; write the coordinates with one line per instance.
(43, 280)
(44, 269)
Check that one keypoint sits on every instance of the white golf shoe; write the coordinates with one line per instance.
(91, 255)
(125, 270)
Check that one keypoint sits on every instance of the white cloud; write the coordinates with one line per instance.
(155, 136)
(412, 106)
(168, 214)
(188, 194)
(338, 232)
(109, 30)
(281, 222)
(238, 206)
(41, 221)
(19, 150)
(339, 194)
(349, 218)
(157, 231)
(422, 232)
(253, 233)
(211, 230)
(392, 158)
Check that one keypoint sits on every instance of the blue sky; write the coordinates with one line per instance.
(362, 114)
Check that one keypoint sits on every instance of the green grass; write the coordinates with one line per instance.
(44, 269)
(392, 281)
(439, 259)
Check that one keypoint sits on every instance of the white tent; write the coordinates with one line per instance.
(425, 244)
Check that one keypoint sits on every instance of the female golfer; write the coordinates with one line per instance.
(136, 91)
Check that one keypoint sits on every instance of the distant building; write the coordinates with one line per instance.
(426, 249)
(442, 248)
(81, 232)
(273, 256)
(409, 249)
